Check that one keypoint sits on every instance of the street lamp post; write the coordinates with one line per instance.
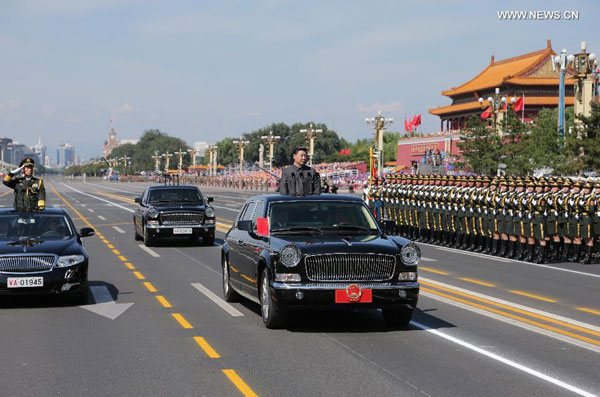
(271, 139)
(156, 158)
(212, 162)
(311, 135)
(180, 153)
(193, 153)
(167, 156)
(241, 143)
(584, 64)
(497, 103)
(561, 61)
(379, 124)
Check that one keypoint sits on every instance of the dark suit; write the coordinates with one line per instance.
(299, 181)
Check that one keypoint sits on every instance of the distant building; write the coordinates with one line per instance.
(40, 151)
(5, 145)
(113, 142)
(65, 155)
(200, 148)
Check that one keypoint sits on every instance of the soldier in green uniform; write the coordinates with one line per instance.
(552, 218)
(30, 192)
(587, 208)
(574, 219)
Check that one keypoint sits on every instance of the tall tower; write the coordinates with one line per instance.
(111, 143)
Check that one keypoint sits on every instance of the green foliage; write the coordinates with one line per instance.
(514, 144)
(481, 147)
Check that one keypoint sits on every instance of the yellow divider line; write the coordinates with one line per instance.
(109, 245)
(239, 383)
(129, 266)
(428, 269)
(149, 286)
(116, 252)
(163, 301)
(182, 321)
(474, 281)
(121, 257)
(139, 275)
(533, 296)
(514, 309)
(210, 352)
(515, 317)
(587, 310)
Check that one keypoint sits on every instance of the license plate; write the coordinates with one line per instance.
(182, 230)
(24, 282)
(353, 296)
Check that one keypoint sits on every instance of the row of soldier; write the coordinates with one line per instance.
(531, 219)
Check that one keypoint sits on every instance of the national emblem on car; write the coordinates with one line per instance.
(353, 292)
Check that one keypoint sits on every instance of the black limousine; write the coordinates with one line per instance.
(174, 211)
(318, 251)
(42, 253)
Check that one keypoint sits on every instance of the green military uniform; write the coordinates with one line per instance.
(30, 192)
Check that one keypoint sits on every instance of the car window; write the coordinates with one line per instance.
(242, 211)
(257, 211)
(185, 196)
(249, 213)
(320, 214)
(35, 226)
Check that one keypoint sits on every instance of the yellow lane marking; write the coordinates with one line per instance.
(149, 286)
(163, 301)
(71, 207)
(533, 296)
(109, 245)
(514, 309)
(116, 252)
(129, 266)
(248, 278)
(472, 280)
(182, 321)
(116, 196)
(587, 310)
(210, 352)
(121, 257)
(139, 275)
(515, 317)
(4, 194)
(428, 269)
(239, 383)
(234, 269)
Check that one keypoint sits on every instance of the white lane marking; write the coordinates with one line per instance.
(98, 198)
(225, 208)
(148, 250)
(428, 259)
(104, 304)
(91, 210)
(220, 302)
(112, 188)
(562, 338)
(513, 304)
(506, 361)
(512, 260)
(101, 217)
(83, 205)
(198, 262)
(118, 229)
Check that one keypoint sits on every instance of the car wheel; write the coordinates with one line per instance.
(273, 315)
(148, 239)
(228, 292)
(397, 317)
(136, 235)
(209, 239)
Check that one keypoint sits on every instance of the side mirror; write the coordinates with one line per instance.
(86, 232)
(388, 226)
(137, 200)
(245, 225)
(210, 199)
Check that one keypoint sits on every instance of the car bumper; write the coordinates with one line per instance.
(323, 294)
(57, 281)
(197, 230)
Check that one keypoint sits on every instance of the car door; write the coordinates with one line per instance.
(139, 213)
(252, 247)
(235, 240)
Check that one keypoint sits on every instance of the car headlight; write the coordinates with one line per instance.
(69, 260)
(153, 213)
(290, 256)
(209, 212)
(410, 254)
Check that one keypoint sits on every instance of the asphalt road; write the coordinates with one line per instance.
(485, 326)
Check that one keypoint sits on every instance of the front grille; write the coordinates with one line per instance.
(181, 218)
(26, 263)
(350, 267)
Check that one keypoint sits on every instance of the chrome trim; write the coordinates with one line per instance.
(49, 266)
(334, 286)
(178, 218)
(350, 267)
(170, 227)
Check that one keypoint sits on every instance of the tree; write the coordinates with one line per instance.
(544, 146)
(587, 134)
(481, 147)
(514, 145)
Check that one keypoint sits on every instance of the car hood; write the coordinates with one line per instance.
(58, 247)
(339, 243)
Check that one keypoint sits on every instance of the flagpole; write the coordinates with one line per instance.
(523, 108)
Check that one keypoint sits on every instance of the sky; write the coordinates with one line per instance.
(205, 70)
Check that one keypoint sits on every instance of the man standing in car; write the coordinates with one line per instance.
(298, 179)
(30, 192)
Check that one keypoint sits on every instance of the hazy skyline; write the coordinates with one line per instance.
(202, 71)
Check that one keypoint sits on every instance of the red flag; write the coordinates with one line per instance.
(419, 120)
(262, 226)
(520, 104)
(487, 113)
(347, 152)
(416, 120)
(341, 152)
(505, 107)
(407, 125)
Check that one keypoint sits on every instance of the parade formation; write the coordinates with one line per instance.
(532, 219)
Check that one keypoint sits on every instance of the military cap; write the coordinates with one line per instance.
(27, 162)
(486, 179)
(568, 182)
(578, 183)
(588, 185)
(512, 183)
(478, 179)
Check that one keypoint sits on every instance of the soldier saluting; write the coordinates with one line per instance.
(30, 192)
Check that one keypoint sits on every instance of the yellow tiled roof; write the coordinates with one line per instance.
(474, 105)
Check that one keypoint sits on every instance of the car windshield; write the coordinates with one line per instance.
(304, 217)
(184, 196)
(35, 226)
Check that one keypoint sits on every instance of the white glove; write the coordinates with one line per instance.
(17, 170)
